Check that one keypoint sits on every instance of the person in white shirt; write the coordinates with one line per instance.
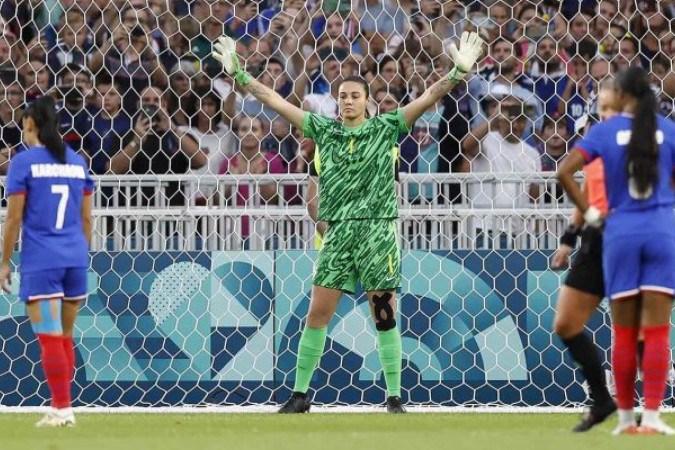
(497, 147)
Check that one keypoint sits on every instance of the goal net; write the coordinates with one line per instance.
(203, 249)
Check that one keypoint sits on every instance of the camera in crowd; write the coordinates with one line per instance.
(151, 113)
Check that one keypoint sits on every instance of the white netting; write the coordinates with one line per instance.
(203, 249)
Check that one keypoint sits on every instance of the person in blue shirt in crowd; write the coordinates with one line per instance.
(637, 148)
(49, 200)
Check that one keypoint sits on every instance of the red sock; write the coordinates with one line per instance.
(69, 348)
(655, 364)
(55, 366)
(624, 365)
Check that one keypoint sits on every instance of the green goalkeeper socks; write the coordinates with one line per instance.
(312, 343)
(389, 348)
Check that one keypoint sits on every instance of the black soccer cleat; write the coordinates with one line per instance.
(595, 415)
(297, 404)
(395, 406)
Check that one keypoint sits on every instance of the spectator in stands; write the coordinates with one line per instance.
(628, 54)
(132, 17)
(109, 126)
(389, 75)
(156, 145)
(386, 101)
(245, 23)
(325, 103)
(37, 80)
(128, 56)
(645, 26)
(74, 87)
(251, 159)
(335, 35)
(73, 41)
(530, 26)
(5, 49)
(19, 16)
(547, 75)
(577, 92)
(553, 143)
(496, 146)
(662, 67)
(182, 103)
(213, 137)
(381, 17)
(579, 29)
(500, 15)
(503, 80)
(280, 141)
(606, 14)
(11, 100)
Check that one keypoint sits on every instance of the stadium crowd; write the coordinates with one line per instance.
(140, 93)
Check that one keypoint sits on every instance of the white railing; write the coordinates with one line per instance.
(139, 213)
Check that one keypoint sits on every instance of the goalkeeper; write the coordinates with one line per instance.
(356, 162)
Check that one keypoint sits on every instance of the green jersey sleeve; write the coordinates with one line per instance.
(313, 125)
(394, 120)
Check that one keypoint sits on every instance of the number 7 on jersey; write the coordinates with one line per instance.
(64, 191)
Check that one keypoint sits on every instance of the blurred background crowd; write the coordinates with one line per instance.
(139, 93)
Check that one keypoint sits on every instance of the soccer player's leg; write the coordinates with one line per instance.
(378, 262)
(334, 273)
(43, 292)
(657, 286)
(621, 260)
(578, 301)
(75, 292)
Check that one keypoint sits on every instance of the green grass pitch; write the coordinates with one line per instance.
(431, 431)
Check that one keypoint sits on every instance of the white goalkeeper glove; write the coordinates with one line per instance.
(225, 51)
(470, 49)
(593, 217)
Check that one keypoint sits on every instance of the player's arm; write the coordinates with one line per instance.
(470, 49)
(15, 207)
(569, 238)
(225, 52)
(85, 214)
(571, 165)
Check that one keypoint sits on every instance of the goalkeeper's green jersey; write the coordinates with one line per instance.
(356, 166)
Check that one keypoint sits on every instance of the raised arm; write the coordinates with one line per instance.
(470, 49)
(225, 52)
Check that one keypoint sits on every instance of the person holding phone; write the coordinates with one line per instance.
(156, 145)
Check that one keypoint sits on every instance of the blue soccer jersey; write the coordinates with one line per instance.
(52, 234)
(639, 237)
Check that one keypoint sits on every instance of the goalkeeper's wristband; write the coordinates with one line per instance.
(570, 236)
(241, 77)
(456, 75)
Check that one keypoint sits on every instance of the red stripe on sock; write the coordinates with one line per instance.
(624, 365)
(69, 349)
(55, 366)
(655, 364)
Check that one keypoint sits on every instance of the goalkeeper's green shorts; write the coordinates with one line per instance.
(366, 250)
